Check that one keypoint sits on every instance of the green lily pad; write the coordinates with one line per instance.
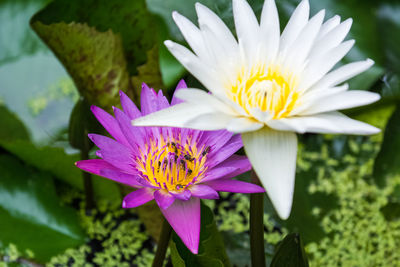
(94, 59)
(31, 215)
(55, 160)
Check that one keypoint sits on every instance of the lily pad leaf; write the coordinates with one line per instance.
(31, 215)
(128, 19)
(95, 60)
(57, 162)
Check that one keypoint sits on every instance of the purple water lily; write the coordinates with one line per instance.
(176, 167)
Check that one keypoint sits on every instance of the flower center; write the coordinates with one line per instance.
(269, 90)
(167, 164)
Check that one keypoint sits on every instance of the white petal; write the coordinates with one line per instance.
(174, 116)
(342, 100)
(331, 39)
(224, 35)
(223, 59)
(247, 28)
(328, 25)
(296, 23)
(192, 35)
(299, 50)
(323, 64)
(243, 124)
(288, 125)
(199, 69)
(273, 156)
(210, 121)
(329, 122)
(269, 30)
(261, 116)
(343, 73)
(314, 96)
(199, 97)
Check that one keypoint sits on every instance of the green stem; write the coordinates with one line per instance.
(162, 244)
(257, 226)
(87, 178)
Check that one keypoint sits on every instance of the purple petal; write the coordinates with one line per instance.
(203, 191)
(134, 135)
(184, 195)
(143, 182)
(241, 163)
(109, 123)
(215, 139)
(137, 198)
(94, 165)
(129, 107)
(234, 186)
(162, 101)
(184, 218)
(148, 100)
(234, 144)
(121, 177)
(163, 199)
(106, 143)
(113, 152)
(217, 173)
(181, 85)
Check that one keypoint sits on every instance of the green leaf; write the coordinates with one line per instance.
(389, 25)
(60, 164)
(11, 127)
(388, 158)
(31, 215)
(290, 252)
(100, 49)
(94, 59)
(128, 19)
(14, 139)
(211, 250)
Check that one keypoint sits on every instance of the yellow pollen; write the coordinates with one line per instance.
(268, 89)
(168, 164)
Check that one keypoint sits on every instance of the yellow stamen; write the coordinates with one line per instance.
(170, 165)
(268, 89)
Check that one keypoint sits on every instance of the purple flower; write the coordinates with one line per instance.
(176, 167)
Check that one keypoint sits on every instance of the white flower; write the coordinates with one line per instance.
(267, 86)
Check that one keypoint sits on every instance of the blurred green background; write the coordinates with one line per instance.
(53, 53)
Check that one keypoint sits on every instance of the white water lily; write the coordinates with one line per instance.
(267, 86)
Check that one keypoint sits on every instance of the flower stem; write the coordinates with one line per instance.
(87, 178)
(162, 244)
(257, 226)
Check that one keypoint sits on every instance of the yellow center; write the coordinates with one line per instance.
(268, 89)
(167, 164)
